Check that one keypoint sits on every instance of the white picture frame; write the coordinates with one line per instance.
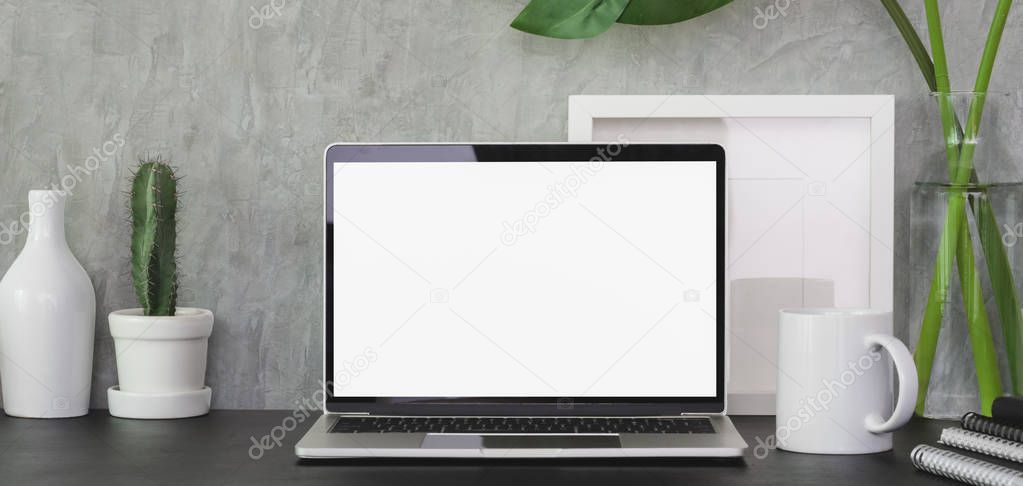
(803, 139)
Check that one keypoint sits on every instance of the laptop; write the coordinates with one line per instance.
(524, 300)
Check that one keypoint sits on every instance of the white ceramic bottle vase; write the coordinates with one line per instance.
(47, 320)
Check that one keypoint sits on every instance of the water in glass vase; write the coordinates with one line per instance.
(966, 239)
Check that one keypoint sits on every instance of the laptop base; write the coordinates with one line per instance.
(320, 443)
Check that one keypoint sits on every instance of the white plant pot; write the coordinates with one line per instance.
(161, 363)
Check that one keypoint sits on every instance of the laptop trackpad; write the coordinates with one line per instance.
(510, 441)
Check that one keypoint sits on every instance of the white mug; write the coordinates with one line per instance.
(835, 383)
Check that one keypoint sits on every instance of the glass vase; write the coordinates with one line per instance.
(966, 249)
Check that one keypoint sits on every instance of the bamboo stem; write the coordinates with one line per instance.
(937, 297)
(1003, 284)
(985, 359)
(960, 154)
(960, 166)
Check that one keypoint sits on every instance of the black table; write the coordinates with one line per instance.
(215, 449)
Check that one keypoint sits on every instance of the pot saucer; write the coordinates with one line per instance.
(158, 405)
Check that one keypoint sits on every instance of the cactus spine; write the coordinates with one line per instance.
(154, 203)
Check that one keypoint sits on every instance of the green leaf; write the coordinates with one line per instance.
(569, 19)
(916, 46)
(1002, 284)
(657, 12)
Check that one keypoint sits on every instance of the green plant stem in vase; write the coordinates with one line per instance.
(963, 262)
(972, 199)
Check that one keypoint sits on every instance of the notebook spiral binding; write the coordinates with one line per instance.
(962, 468)
(984, 444)
(985, 425)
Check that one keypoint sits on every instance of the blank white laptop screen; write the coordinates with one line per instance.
(523, 279)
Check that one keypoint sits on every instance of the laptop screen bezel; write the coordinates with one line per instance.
(514, 406)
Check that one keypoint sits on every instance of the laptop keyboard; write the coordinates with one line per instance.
(524, 425)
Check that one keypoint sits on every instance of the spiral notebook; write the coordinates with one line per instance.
(989, 426)
(969, 440)
(981, 435)
(969, 470)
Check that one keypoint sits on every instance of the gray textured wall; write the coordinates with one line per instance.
(245, 112)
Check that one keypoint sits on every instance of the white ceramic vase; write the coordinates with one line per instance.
(161, 364)
(47, 320)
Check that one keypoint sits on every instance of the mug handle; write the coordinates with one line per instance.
(906, 370)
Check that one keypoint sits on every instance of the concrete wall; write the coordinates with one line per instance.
(245, 105)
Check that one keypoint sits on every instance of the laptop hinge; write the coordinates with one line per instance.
(352, 413)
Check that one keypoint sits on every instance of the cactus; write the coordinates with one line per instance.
(153, 202)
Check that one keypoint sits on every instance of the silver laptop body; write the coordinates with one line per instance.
(523, 300)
